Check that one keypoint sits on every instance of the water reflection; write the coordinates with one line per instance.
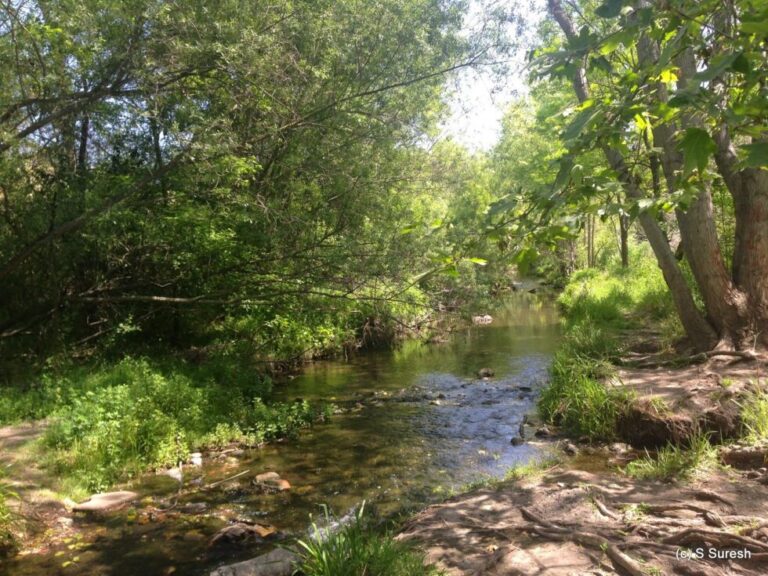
(423, 424)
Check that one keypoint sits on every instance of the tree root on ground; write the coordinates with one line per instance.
(655, 532)
(552, 531)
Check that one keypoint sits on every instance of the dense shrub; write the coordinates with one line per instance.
(135, 415)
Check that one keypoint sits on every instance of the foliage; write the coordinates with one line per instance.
(754, 416)
(238, 174)
(134, 415)
(7, 519)
(596, 306)
(675, 462)
(355, 548)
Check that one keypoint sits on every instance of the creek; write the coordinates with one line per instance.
(415, 425)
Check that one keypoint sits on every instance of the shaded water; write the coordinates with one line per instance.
(419, 424)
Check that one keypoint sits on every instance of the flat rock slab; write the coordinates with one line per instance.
(279, 562)
(106, 501)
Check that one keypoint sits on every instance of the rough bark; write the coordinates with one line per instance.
(725, 305)
(698, 329)
(624, 240)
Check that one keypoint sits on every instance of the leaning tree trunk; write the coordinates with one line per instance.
(700, 332)
(725, 305)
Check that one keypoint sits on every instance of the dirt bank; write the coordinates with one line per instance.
(570, 522)
(578, 519)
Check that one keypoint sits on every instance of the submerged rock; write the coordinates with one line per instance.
(106, 502)
(273, 481)
(240, 533)
(279, 562)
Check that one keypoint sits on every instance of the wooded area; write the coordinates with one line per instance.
(198, 198)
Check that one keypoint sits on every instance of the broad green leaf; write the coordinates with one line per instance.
(583, 119)
(610, 8)
(696, 146)
(719, 64)
(757, 154)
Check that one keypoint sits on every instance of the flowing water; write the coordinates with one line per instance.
(417, 424)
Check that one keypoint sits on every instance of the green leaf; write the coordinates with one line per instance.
(580, 122)
(754, 24)
(610, 8)
(478, 261)
(757, 154)
(718, 65)
(696, 146)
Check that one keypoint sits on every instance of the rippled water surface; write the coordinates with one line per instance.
(417, 423)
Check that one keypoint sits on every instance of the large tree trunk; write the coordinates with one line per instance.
(749, 188)
(725, 305)
(697, 328)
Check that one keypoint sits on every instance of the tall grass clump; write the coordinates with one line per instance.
(754, 417)
(357, 549)
(598, 306)
(135, 415)
(578, 400)
(675, 462)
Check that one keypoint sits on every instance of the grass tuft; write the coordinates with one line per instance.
(675, 462)
(356, 549)
(754, 416)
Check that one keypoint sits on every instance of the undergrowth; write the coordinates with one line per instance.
(599, 306)
(8, 520)
(123, 419)
(675, 462)
(356, 548)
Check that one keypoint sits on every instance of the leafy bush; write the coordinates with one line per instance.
(356, 549)
(134, 415)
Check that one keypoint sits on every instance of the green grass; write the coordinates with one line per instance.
(357, 549)
(754, 416)
(532, 468)
(675, 462)
(8, 520)
(598, 307)
(123, 419)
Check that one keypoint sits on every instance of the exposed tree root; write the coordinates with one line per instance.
(696, 535)
(554, 532)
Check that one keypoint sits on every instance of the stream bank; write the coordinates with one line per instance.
(413, 425)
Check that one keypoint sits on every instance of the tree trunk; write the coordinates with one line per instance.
(698, 329)
(749, 188)
(624, 240)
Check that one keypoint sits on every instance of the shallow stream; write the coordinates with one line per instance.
(417, 424)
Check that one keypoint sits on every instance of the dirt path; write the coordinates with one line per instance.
(572, 522)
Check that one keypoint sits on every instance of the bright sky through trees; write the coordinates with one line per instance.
(479, 97)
